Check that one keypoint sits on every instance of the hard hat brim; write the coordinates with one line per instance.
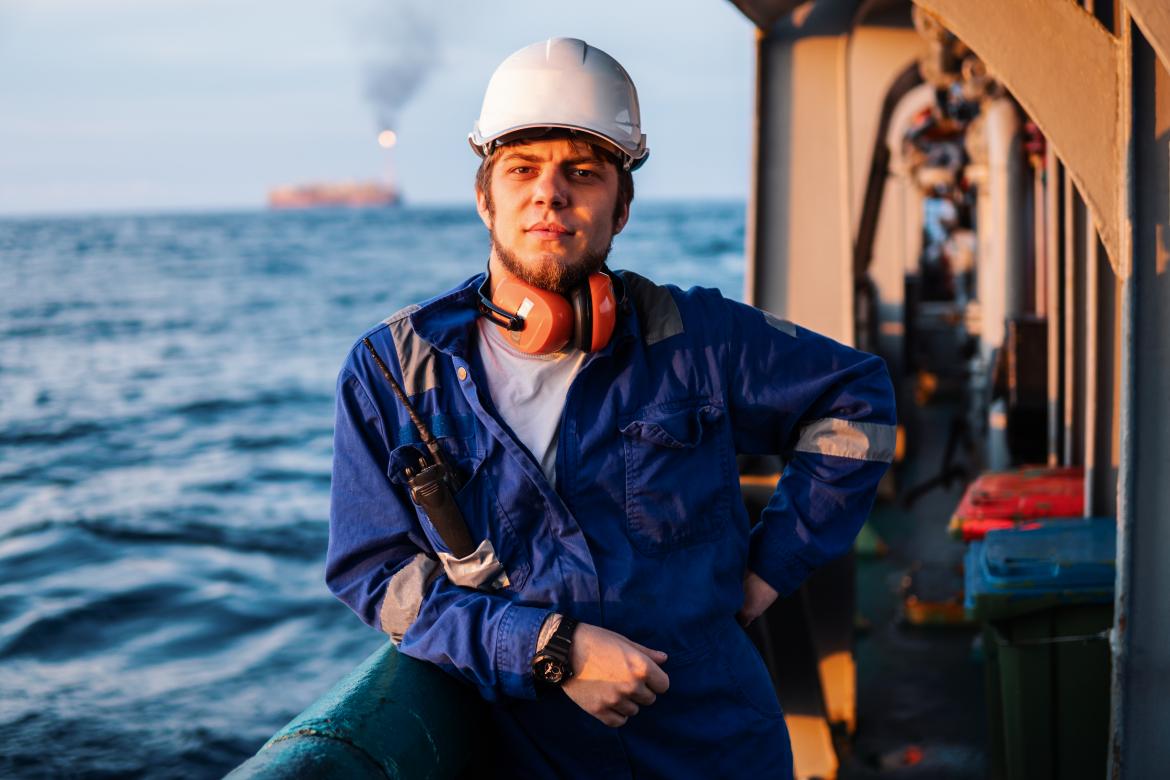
(631, 160)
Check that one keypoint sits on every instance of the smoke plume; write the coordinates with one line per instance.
(400, 49)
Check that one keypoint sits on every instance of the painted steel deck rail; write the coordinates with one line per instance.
(391, 717)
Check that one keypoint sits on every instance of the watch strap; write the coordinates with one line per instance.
(561, 642)
(551, 663)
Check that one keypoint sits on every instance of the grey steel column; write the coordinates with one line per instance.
(1101, 381)
(1075, 218)
(1141, 642)
(801, 266)
(1054, 246)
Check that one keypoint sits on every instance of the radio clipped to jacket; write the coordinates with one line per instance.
(432, 487)
(433, 484)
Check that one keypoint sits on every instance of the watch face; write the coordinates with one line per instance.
(550, 670)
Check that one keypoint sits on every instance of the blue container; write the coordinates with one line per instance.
(1013, 572)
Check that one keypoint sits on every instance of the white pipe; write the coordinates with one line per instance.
(1000, 286)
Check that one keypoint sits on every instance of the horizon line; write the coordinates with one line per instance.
(174, 211)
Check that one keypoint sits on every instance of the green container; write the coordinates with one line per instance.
(1045, 599)
(1048, 693)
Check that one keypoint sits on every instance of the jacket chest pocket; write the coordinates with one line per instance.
(677, 459)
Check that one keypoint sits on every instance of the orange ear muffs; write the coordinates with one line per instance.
(547, 317)
(594, 313)
(538, 321)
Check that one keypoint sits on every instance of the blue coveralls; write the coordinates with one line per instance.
(643, 533)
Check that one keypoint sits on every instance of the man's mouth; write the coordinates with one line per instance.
(549, 230)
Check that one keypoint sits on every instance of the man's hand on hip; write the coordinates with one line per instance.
(757, 597)
(612, 676)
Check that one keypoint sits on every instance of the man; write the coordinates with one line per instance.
(596, 592)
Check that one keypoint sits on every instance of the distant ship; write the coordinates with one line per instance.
(336, 195)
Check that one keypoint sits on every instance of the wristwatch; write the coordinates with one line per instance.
(551, 664)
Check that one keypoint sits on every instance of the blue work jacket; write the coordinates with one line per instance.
(644, 532)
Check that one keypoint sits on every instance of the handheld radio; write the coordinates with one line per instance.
(433, 485)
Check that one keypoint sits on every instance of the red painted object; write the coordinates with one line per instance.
(1014, 499)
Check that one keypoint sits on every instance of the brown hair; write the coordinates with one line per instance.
(625, 189)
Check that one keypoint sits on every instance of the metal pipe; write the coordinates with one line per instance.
(1074, 292)
(391, 717)
(1091, 314)
(1054, 191)
(1002, 242)
(1039, 239)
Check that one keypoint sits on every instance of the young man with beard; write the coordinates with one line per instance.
(597, 590)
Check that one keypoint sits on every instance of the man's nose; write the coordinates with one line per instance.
(551, 189)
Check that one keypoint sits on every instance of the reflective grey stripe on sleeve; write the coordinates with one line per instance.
(657, 311)
(404, 595)
(846, 439)
(402, 314)
(480, 569)
(784, 326)
(415, 356)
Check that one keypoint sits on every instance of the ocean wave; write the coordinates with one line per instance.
(298, 539)
(203, 408)
(50, 433)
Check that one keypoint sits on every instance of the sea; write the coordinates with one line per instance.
(166, 416)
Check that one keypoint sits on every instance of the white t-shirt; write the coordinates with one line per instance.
(529, 391)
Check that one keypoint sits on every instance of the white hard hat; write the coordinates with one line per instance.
(562, 82)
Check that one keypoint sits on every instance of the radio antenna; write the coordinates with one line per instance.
(423, 431)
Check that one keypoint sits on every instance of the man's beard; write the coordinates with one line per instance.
(549, 273)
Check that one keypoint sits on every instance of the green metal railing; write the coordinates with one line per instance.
(391, 717)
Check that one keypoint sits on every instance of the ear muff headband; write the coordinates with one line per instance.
(582, 300)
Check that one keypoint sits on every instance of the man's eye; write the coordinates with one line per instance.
(522, 169)
(583, 173)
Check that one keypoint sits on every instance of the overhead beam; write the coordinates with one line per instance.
(765, 13)
(1153, 17)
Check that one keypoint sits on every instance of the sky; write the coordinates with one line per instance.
(162, 105)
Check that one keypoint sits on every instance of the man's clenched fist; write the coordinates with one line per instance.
(612, 676)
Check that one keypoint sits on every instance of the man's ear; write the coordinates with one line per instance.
(621, 219)
(482, 207)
